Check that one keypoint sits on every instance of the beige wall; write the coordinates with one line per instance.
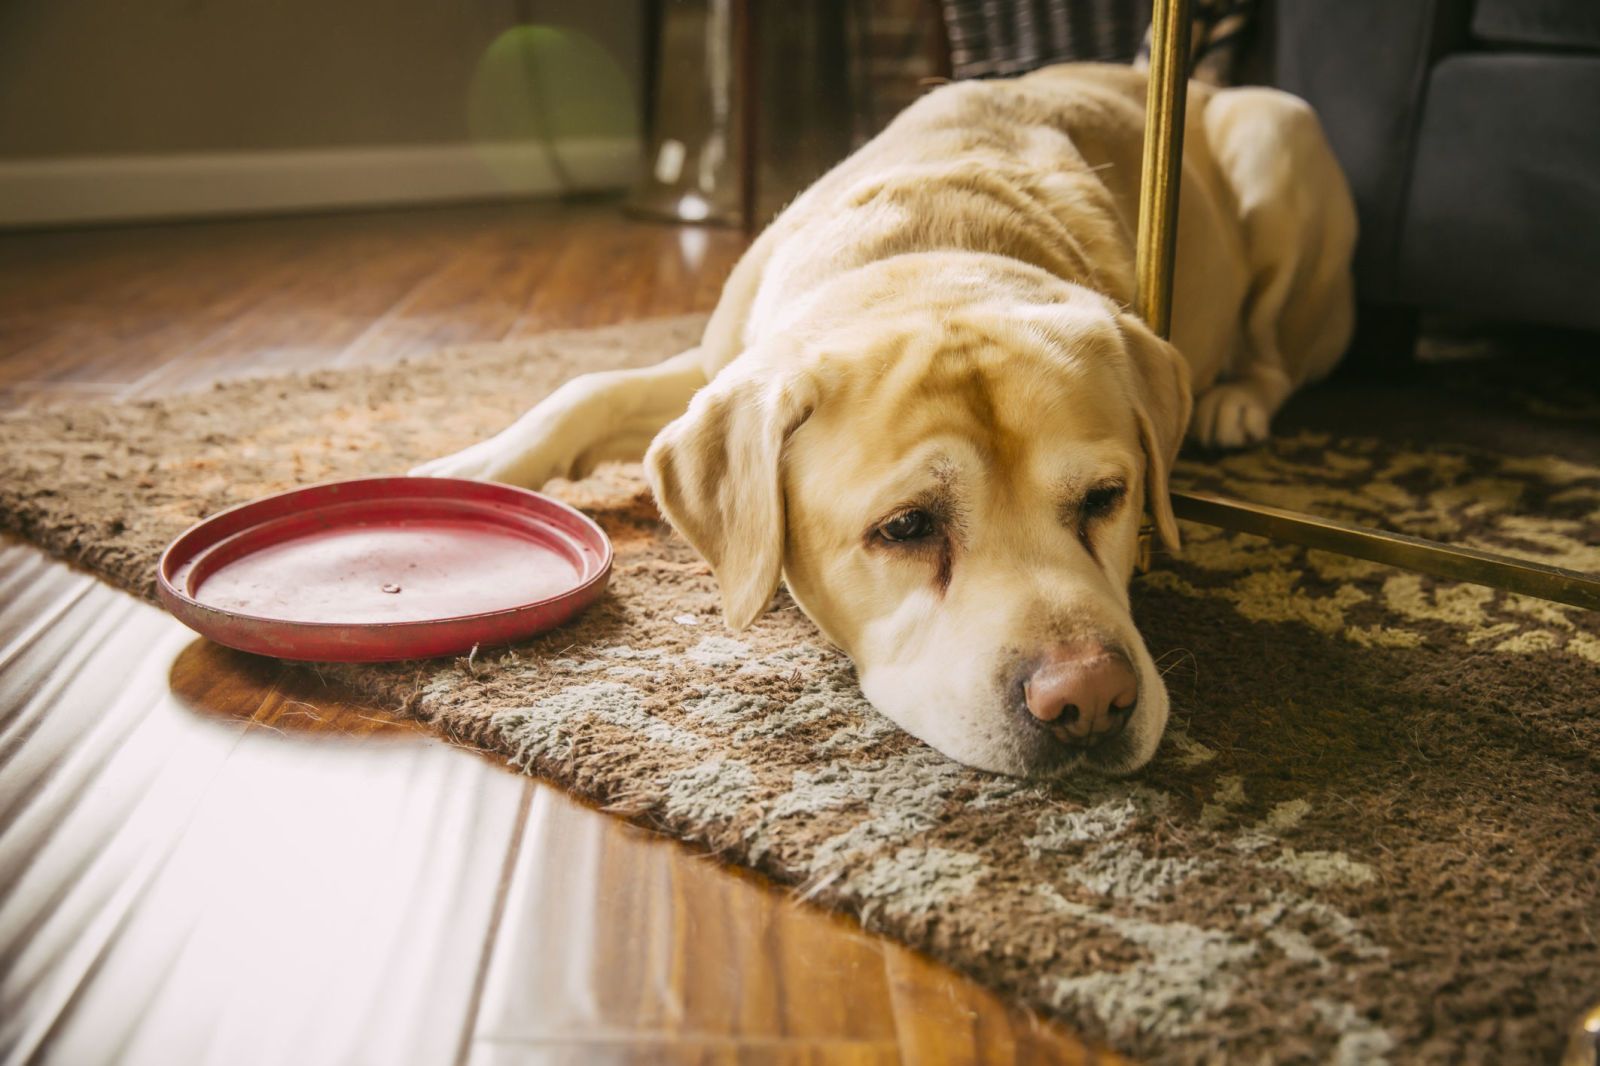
(136, 77)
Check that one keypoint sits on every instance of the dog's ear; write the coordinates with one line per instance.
(1162, 403)
(717, 476)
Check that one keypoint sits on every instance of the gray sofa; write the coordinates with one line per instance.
(1470, 132)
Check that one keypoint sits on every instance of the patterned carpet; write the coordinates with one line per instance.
(1372, 832)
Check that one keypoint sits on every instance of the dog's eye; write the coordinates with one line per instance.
(907, 525)
(1102, 500)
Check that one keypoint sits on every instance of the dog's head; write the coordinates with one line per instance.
(953, 490)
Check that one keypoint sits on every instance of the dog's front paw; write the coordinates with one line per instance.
(1230, 416)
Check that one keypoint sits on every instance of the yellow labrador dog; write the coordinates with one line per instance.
(924, 403)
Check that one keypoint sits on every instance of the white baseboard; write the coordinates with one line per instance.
(39, 192)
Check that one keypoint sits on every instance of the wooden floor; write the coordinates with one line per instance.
(205, 861)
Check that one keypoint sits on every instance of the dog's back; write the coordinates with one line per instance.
(1045, 169)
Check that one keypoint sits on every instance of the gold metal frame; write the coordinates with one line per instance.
(1159, 179)
(1157, 247)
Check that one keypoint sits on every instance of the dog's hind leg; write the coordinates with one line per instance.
(1299, 231)
(613, 414)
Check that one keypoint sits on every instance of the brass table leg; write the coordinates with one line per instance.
(1156, 251)
(1159, 184)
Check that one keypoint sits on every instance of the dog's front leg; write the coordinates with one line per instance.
(614, 414)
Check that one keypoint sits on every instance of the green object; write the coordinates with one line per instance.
(555, 90)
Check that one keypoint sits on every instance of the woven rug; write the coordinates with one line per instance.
(1371, 833)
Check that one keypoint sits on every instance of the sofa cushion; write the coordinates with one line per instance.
(1503, 212)
(1568, 23)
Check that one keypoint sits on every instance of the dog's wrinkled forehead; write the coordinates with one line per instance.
(1002, 399)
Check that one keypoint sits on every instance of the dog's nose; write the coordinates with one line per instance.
(1085, 691)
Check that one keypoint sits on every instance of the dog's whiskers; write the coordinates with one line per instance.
(1177, 655)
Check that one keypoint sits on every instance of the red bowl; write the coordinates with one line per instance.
(385, 568)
